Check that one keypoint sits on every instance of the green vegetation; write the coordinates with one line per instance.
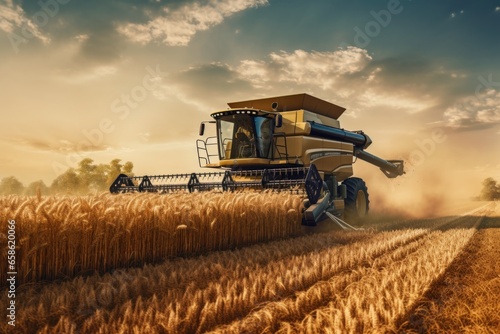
(491, 190)
(86, 178)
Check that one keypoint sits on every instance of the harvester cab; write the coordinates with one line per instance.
(244, 136)
(285, 143)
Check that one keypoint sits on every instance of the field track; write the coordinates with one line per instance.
(389, 280)
(469, 291)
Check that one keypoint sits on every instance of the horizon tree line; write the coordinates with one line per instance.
(86, 178)
(89, 178)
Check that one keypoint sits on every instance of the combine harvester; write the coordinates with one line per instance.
(285, 143)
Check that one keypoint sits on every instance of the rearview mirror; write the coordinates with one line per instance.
(279, 120)
(202, 129)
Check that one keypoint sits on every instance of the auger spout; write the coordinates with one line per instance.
(391, 168)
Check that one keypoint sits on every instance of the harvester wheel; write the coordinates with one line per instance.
(357, 202)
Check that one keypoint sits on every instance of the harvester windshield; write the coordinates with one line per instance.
(244, 136)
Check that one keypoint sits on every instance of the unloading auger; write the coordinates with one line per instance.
(286, 143)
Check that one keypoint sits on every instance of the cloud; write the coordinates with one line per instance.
(206, 87)
(398, 100)
(475, 112)
(256, 72)
(316, 68)
(88, 57)
(62, 146)
(178, 26)
(348, 76)
(13, 17)
(87, 74)
(454, 14)
(100, 47)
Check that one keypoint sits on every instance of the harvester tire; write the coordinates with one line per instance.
(357, 202)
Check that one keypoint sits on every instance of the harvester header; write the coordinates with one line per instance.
(282, 143)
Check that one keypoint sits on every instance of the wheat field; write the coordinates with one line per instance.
(61, 237)
(331, 282)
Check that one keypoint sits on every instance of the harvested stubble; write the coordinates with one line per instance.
(201, 307)
(382, 295)
(60, 237)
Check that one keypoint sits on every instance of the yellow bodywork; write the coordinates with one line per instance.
(329, 156)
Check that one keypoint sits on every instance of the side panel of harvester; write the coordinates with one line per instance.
(328, 156)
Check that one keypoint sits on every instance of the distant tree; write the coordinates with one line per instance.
(86, 178)
(35, 188)
(490, 191)
(86, 170)
(66, 183)
(10, 185)
(100, 180)
(89, 177)
(127, 168)
(116, 168)
(92, 177)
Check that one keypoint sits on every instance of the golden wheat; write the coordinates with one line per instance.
(329, 282)
(64, 237)
(78, 299)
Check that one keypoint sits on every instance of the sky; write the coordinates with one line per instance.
(133, 80)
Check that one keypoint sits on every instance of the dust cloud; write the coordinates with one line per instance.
(436, 185)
